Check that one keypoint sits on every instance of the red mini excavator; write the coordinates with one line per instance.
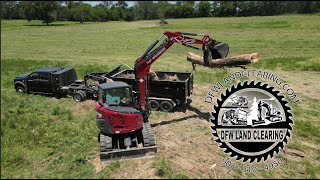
(122, 119)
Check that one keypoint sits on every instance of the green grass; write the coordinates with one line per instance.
(164, 169)
(306, 125)
(106, 173)
(113, 43)
(290, 64)
(42, 137)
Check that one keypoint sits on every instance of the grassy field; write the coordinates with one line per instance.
(44, 137)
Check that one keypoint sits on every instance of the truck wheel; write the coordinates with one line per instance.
(57, 96)
(166, 106)
(84, 95)
(78, 96)
(20, 89)
(153, 105)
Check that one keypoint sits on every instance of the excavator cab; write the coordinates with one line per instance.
(123, 132)
(116, 111)
(118, 97)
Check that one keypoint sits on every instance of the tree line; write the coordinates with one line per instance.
(49, 11)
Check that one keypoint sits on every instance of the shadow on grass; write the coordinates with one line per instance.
(199, 114)
(188, 106)
(44, 25)
(49, 95)
(174, 120)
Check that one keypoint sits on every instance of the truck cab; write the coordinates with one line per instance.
(46, 80)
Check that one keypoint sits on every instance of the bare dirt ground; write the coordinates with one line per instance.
(303, 83)
(81, 108)
(184, 137)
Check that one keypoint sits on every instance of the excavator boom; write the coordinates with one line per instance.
(125, 131)
(211, 48)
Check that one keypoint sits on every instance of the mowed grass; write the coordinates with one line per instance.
(122, 42)
(44, 137)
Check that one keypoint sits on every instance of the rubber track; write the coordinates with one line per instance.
(105, 143)
(148, 136)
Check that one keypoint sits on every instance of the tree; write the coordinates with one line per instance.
(46, 10)
(129, 16)
(171, 11)
(42, 10)
(121, 4)
(120, 9)
(187, 9)
(28, 10)
(215, 7)
(145, 10)
(71, 6)
(9, 10)
(107, 4)
(204, 9)
(162, 7)
(99, 13)
(82, 12)
(227, 8)
(308, 7)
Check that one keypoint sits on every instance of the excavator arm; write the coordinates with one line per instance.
(212, 49)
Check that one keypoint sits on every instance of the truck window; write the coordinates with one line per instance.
(45, 76)
(34, 76)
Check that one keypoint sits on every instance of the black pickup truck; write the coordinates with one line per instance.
(55, 81)
(47, 80)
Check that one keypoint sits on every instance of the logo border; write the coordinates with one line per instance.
(280, 98)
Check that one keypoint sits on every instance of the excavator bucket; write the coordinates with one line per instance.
(214, 50)
(219, 50)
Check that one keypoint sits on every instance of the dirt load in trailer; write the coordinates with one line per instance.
(165, 90)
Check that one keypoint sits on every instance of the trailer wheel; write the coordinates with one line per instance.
(57, 96)
(84, 95)
(78, 96)
(153, 105)
(166, 106)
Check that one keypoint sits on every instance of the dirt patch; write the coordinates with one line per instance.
(303, 83)
(136, 169)
(127, 75)
(171, 78)
(184, 138)
(98, 165)
(81, 108)
(152, 75)
(309, 144)
(294, 153)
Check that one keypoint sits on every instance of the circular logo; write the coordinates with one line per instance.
(251, 121)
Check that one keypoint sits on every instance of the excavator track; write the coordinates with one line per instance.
(107, 151)
(148, 136)
(105, 143)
